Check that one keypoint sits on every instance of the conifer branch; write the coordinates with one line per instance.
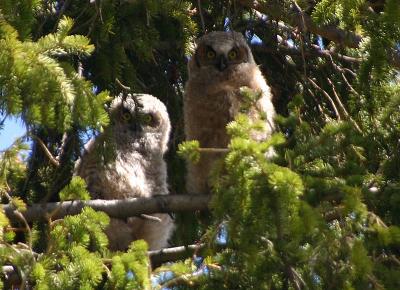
(276, 11)
(119, 208)
(157, 257)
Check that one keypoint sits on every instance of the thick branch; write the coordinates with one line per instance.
(304, 22)
(275, 10)
(120, 208)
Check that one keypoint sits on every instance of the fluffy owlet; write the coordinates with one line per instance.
(220, 66)
(137, 136)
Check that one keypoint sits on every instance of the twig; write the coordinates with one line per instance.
(310, 51)
(126, 88)
(329, 54)
(349, 85)
(213, 150)
(343, 109)
(321, 110)
(201, 16)
(4, 119)
(303, 29)
(326, 95)
(173, 254)
(20, 216)
(52, 159)
(296, 279)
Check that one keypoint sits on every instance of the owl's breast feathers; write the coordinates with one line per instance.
(126, 176)
(211, 105)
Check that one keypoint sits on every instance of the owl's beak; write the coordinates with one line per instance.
(222, 63)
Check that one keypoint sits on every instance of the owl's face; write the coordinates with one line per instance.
(222, 51)
(143, 125)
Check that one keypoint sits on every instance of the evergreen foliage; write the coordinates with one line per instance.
(321, 213)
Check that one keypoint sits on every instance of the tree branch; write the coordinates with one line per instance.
(310, 51)
(276, 11)
(173, 254)
(294, 17)
(47, 152)
(120, 208)
(157, 257)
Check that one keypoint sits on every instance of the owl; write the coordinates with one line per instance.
(137, 137)
(221, 65)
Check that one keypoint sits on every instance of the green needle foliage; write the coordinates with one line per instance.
(42, 90)
(313, 207)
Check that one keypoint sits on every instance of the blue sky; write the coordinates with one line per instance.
(13, 128)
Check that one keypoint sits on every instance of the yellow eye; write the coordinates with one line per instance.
(126, 116)
(232, 55)
(210, 54)
(147, 118)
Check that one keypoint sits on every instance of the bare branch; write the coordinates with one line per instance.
(294, 17)
(276, 11)
(120, 208)
(342, 107)
(310, 51)
(314, 84)
(203, 26)
(173, 254)
(47, 152)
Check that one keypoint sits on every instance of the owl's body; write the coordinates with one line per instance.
(139, 137)
(221, 65)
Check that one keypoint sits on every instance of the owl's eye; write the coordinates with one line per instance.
(148, 119)
(126, 116)
(210, 54)
(232, 55)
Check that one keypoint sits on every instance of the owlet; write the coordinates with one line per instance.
(138, 135)
(221, 65)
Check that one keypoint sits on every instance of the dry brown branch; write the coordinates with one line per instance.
(314, 84)
(342, 107)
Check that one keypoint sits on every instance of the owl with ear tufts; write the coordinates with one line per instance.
(221, 65)
(138, 135)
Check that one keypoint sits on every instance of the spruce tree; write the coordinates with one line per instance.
(322, 213)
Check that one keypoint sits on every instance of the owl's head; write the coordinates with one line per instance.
(140, 122)
(221, 50)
